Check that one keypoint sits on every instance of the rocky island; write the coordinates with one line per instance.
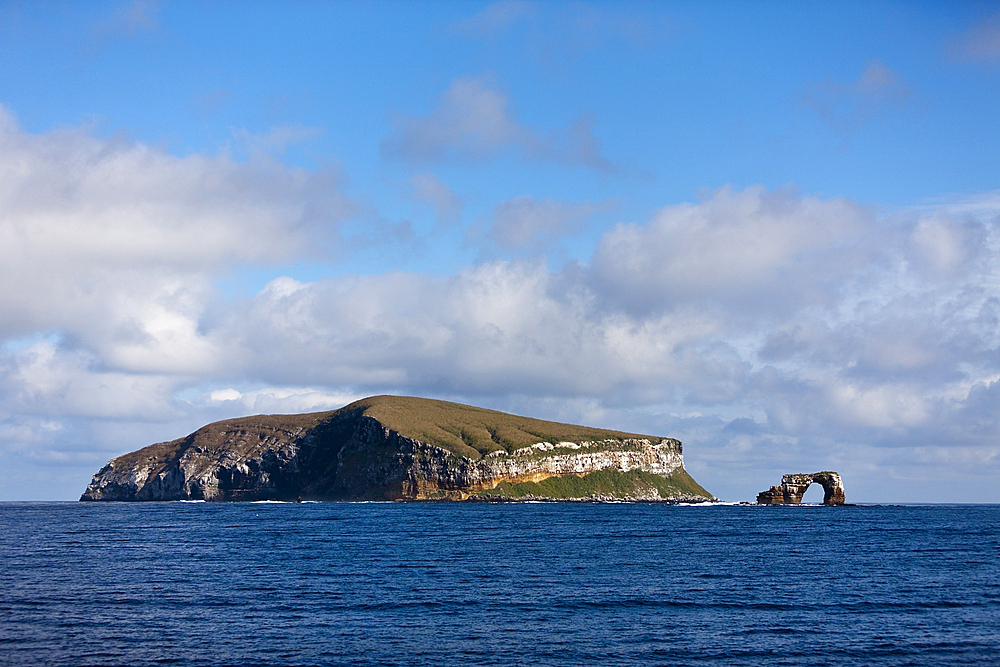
(794, 486)
(400, 448)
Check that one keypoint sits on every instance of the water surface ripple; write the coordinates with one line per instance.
(507, 584)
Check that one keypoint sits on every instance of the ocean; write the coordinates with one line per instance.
(283, 584)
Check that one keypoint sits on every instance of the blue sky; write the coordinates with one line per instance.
(768, 229)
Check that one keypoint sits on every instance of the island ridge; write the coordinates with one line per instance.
(400, 448)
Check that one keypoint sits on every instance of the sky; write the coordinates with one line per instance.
(768, 229)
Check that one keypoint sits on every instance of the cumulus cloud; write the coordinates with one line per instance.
(124, 236)
(773, 250)
(108, 252)
(747, 296)
(57, 383)
(878, 90)
(945, 245)
(503, 327)
(878, 355)
(473, 123)
(125, 204)
(769, 328)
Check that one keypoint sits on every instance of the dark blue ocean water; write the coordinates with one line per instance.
(508, 584)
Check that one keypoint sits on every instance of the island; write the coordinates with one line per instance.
(794, 486)
(400, 448)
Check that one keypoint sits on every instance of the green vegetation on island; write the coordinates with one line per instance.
(607, 483)
(474, 432)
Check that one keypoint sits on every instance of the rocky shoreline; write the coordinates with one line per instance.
(675, 500)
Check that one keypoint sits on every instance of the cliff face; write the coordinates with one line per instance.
(356, 454)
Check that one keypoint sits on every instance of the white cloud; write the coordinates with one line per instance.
(945, 245)
(772, 250)
(50, 381)
(280, 400)
(884, 406)
(766, 327)
(500, 327)
(115, 236)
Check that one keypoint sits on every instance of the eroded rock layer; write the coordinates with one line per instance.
(794, 486)
(379, 448)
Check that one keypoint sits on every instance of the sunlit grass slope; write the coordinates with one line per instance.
(470, 431)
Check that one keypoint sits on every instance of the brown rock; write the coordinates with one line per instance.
(793, 487)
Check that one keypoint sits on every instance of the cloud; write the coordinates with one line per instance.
(277, 140)
(769, 328)
(982, 205)
(980, 43)
(599, 27)
(127, 22)
(473, 123)
(279, 400)
(874, 93)
(118, 241)
(577, 145)
(54, 382)
(137, 15)
(774, 250)
(429, 189)
(500, 327)
(825, 358)
(945, 245)
(744, 295)
(555, 32)
(495, 18)
(525, 222)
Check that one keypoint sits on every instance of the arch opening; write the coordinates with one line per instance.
(814, 494)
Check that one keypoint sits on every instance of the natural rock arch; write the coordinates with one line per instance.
(793, 487)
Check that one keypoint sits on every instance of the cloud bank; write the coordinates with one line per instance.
(768, 329)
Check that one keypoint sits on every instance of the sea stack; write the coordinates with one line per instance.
(400, 448)
(792, 488)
